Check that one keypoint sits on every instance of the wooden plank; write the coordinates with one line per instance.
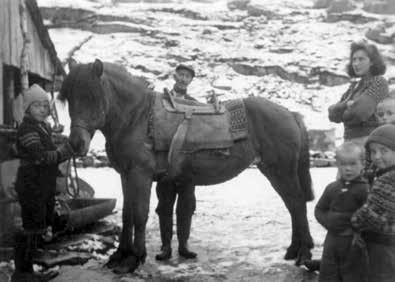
(69, 258)
(39, 59)
(9, 94)
(5, 31)
(15, 33)
(12, 43)
(1, 93)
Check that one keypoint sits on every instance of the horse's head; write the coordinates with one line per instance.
(83, 89)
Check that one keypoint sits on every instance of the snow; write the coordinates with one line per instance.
(240, 225)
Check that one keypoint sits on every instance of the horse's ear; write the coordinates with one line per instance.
(98, 68)
(72, 64)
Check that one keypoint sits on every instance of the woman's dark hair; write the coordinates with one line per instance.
(378, 66)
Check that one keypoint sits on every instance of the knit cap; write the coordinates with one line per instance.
(384, 135)
(33, 94)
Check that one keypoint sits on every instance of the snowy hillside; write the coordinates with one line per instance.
(285, 51)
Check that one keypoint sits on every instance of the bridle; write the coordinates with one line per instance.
(83, 125)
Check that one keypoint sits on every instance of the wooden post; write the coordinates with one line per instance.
(24, 64)
(24, 59)
(10, 95)
(1, 92)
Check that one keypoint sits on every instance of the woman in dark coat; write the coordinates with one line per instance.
(356, 108)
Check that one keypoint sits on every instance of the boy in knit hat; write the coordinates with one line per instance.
(334, 210)
(36, 180)
(385, 111)
(376, 218)
(385, 114)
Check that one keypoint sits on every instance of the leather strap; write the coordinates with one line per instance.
(174, 157)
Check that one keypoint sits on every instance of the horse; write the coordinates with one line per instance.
(104, 96)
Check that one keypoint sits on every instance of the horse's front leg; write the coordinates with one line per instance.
(136, 187)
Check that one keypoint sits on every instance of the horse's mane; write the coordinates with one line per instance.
(123, 80)
(116, 75)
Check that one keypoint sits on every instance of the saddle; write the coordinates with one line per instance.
(182, 127)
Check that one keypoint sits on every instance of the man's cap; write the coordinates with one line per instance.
(186, 67)
(33, 94)
(384, 135)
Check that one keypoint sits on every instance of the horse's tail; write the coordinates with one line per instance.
(304, 160)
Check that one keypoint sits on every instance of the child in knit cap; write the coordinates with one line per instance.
(385, 114)
(376, 218)
(36, 179)
(385, 111)
(334, 209)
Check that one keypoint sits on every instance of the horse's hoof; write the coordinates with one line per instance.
(304, 255)
(114, 259)
(143, 257)
(291, 254)
(127, 265)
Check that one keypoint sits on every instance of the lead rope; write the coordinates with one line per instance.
(72, 189)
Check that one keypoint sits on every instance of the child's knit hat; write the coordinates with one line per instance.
(33, 94)
(384, 135)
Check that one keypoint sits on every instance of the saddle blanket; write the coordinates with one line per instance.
(204, 131)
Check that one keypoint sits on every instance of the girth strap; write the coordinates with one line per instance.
(174, 157)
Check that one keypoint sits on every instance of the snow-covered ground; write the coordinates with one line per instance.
(240, 230)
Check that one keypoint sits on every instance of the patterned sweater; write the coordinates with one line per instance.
(35, 145)
(359, 119)
(377, 216)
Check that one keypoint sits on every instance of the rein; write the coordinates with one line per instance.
(73, 189)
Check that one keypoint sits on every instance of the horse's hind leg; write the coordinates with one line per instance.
(285, 181)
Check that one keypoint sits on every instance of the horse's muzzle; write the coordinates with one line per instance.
(80, 140)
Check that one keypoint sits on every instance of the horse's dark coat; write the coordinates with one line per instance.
(106, 97)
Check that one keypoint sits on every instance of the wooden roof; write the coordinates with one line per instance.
(44, 35)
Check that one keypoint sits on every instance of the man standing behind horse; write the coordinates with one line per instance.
(183, 76)
(167, 191)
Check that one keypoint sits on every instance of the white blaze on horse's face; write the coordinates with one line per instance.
(84, 89)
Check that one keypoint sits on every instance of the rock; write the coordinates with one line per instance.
(380, 35)
(325, 77)
(281, 50)
(183, 12)
(340, 6)
(322, 4)
(246, 69)
(238, 4)
(171, 43)
(384, 7)
(329, 78)
(322, 139)
(61, 15)
(258, 10)
(350, 17)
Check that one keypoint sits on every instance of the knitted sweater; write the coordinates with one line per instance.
(338, 202)
(377, 215)
(359, 119)
(35, 145)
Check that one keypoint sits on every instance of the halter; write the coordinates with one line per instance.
(82, 124)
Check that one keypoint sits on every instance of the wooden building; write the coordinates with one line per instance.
(42, 61)
(25, 44)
